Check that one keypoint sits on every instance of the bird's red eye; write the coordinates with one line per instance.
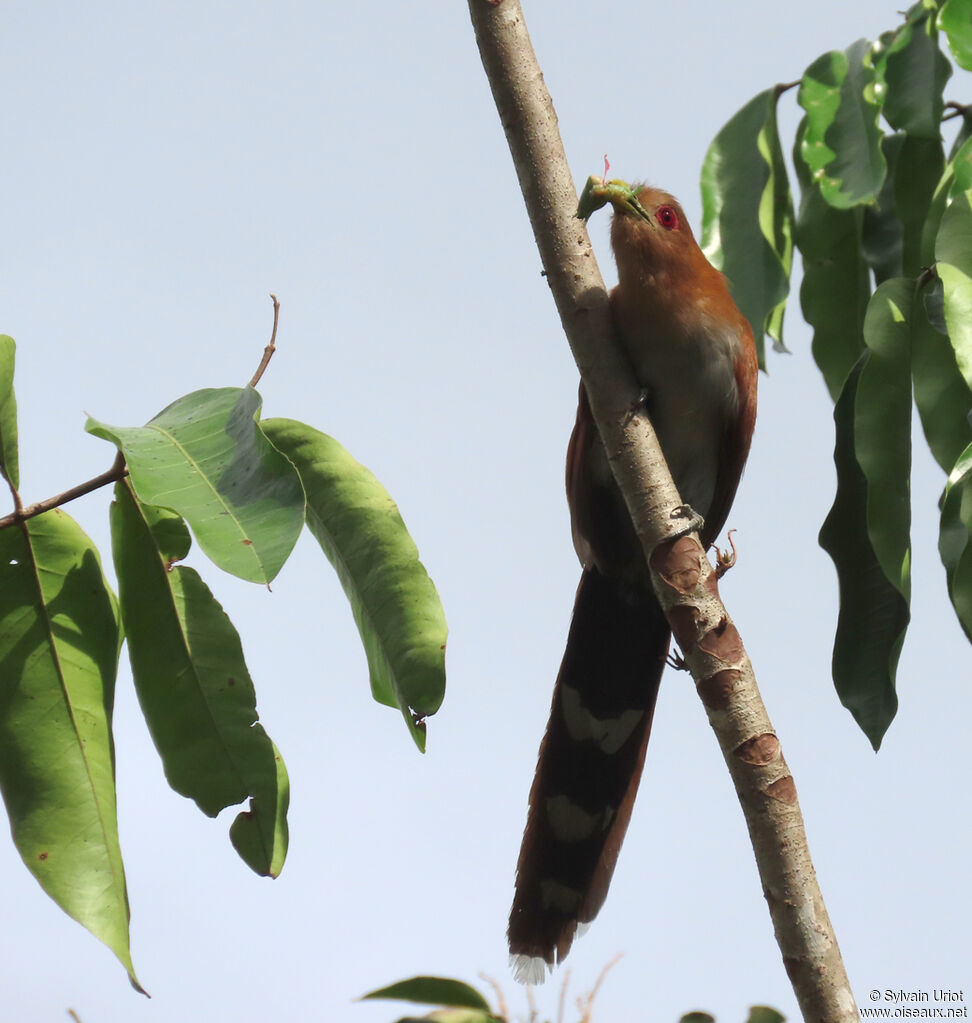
(667, 217)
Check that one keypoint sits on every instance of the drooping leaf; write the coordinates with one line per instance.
(394, 601)
(955, 20)
(841, 142)
(953, 252)
(916, 175)
(747, 219)
(260, 834)
(205, 458)
(942, 396)
(955, 179)
(867, 532)
(835, 289)
(882, 233)
(9, 468)
(955, 539)
(911, 77)
(193, 684)
(913, 72)
(431, 991)
(59, 641)
(892, 237)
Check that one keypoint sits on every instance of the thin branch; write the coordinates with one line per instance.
(956, 110)
(684, 579)
(271, 347)
(563, 997)
(501, 1008)
(116, 472)
(586, 1004)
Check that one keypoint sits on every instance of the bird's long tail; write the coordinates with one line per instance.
(589, 767)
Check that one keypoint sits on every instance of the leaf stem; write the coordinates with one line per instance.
(20, 514)
(271, 347)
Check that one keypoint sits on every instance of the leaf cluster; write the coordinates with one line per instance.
(245, 487)
(884, 229)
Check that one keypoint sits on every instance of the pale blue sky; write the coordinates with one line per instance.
(165, 167)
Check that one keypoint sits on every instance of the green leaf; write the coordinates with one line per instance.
(942, 396)
(697, 1017)
(454, 1016)
(893, 228)
(955, 534)
(916, 175)
(913, 70)
(205, 458)
(8, 413)
(394, 601)
(956, 178)
(260, 835)
(747, 219)
(882, 234)
(764, 1014)
(193, 684)
(953, 252)
(836, 287)
(431, 991)
(867, 532)
(59, 641)
(955, 20)
(841, 144)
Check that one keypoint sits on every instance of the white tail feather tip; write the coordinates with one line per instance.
(529, 969)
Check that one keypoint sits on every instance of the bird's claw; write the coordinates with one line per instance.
(695, 523)
(725, 559)
(677, 661)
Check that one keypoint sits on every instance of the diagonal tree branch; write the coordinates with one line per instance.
(684, 580)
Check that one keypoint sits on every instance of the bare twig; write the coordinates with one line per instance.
(271, 347)
(563, 997)
(531, 1001)
(498, 991)
(116, 472)
(684, 579)
(586, 1004)
(955, 110)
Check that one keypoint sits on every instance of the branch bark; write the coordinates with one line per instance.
(117, 471)
(683, 577)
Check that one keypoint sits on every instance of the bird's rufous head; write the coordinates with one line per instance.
(649, 231)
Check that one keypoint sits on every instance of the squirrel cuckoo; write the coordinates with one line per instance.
(693, 353)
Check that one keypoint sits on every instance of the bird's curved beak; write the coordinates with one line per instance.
(598, 192)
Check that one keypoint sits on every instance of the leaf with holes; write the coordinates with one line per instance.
(205, 458)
